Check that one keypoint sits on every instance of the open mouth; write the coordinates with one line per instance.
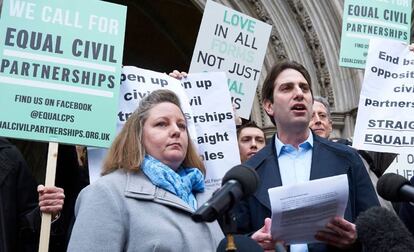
(299, 107)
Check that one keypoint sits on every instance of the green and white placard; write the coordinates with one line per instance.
(60, 70)
(366, 19)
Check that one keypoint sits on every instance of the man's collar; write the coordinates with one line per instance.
(307, 144)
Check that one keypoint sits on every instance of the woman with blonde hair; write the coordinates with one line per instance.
(151, 177)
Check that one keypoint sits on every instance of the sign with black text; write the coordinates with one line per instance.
(367, 19)
(403, 165)
(385, 119)
(215, 125)
(60, 70)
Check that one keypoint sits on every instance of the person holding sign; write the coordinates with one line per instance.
(20, 205)
(145, 198)
(297, 155)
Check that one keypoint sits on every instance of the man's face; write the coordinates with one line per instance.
(292, 101)
(321, 124)
(250, 140)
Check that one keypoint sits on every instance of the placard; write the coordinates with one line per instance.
(385, 121)
(60, 70)
(235, 43)
(366, 19)
(215, 125)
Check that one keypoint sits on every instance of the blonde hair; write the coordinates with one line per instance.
(127, 151)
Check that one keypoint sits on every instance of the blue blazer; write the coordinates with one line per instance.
(328, 159)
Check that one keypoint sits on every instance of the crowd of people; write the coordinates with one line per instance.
(152, 177)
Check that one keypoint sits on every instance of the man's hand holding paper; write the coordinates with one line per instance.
(308, 212)
(342, 233)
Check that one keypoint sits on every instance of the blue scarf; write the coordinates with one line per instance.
(181, 183)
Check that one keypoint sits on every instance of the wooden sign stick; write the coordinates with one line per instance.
(49, 181)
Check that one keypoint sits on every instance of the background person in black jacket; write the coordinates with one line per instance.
(20, 203)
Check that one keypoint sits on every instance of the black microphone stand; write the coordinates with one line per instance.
(228, 225)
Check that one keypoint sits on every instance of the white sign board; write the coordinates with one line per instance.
(385, 120)
(214, 121)
(403, 165)
(233, 42)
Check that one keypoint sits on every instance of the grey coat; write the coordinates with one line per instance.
(126, 212)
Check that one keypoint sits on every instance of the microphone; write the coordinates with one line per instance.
(381, 230)
(394, 187)
(239, 182)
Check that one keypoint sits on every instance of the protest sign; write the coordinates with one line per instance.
(136, 83)
(403, 165)
(235, 43)
(57, 84)
(385, 121)
(60, 69)
(366, 19)
(214, 121)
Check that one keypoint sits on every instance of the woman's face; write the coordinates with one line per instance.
(165, 134)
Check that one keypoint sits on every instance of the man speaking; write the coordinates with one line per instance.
(296, 155)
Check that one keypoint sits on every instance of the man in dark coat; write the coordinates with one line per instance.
(297, 155)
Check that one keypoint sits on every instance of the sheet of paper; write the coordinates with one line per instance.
(301, 210)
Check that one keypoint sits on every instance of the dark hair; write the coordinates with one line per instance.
(249, 124)
(269, 83)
